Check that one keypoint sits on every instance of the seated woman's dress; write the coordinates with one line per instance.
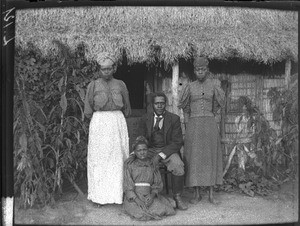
(141, 178)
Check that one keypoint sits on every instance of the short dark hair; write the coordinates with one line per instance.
(159, 94)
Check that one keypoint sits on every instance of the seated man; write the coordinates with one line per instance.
(163, 131)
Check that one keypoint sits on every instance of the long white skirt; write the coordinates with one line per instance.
(108, 148)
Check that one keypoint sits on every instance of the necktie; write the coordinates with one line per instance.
(156, 126)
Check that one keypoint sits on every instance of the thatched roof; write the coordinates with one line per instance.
(216, 32)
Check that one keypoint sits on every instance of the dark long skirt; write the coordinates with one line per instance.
(161, 207)
(202, 152)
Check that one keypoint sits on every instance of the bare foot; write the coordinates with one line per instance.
(213, 201)
(195, 200)
(97, 205)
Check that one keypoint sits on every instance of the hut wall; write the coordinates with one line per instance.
(241, 85)
(267, 85)
(256, 88)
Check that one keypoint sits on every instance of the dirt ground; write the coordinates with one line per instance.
(279, 207)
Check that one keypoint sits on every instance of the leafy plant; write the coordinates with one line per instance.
(249, 182)
(50, 131)
(285, 113)
(274, 156)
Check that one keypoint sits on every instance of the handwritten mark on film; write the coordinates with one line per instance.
(8, 20)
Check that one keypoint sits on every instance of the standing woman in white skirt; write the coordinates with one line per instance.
(107, 104)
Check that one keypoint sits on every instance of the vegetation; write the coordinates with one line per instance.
(50, 133)
(274, 157)
(285, 113)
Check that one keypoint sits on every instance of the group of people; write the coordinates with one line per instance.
(116, 176)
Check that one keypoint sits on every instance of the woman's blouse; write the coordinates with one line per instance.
(197, 98)
(137, 171)
(104, 95)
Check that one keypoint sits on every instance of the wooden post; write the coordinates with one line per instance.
(223, 111)
(288, 67)
(223, 116)
(175, 79)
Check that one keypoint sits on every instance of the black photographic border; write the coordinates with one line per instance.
(8, 9)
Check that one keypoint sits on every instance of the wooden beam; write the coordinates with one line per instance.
(223, 116)
(288, 67)
(223, 113)
(175, 95)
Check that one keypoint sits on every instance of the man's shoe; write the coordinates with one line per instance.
(179, 203)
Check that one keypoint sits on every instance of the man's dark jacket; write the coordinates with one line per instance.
(172, 131)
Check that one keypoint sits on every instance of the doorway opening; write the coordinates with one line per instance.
(133, 77)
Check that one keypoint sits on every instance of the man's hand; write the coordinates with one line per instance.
(156, 159)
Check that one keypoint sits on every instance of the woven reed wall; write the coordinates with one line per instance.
(256, 88)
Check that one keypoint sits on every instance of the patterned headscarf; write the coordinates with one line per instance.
(139, 140)
(200, 61)
(102, 57)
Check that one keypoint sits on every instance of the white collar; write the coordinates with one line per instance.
(161, 116)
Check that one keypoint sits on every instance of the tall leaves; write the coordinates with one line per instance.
(274, 156)
(285, 112)
(50, 133)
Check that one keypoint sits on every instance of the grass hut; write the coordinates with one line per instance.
(156, 45)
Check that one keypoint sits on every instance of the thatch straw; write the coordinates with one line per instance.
(216, 32)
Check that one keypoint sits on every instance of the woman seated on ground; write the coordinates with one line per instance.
(142, 185)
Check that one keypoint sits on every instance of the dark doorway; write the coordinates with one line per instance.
(133, 76)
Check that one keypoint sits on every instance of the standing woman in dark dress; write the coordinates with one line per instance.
(202, 146)
(106, 103)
